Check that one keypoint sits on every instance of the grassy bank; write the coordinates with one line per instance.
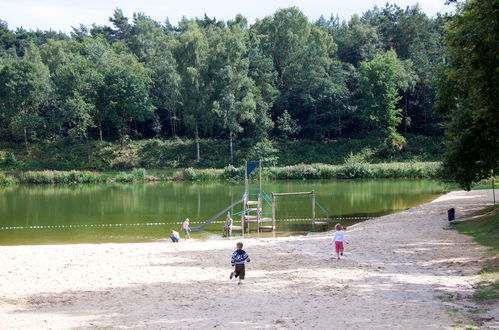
(179, 153)
(483, 226)
(230, 173)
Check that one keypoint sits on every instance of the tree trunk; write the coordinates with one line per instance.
(339, 122)
(230, 148)
(198, 157)
(406, 115)
(100, 131)
(172, 125)
(122, 141)
(25, 137)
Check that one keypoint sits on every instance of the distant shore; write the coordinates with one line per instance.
(429, 170)
(402, 271)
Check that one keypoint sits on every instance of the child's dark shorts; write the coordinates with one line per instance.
(240, 271)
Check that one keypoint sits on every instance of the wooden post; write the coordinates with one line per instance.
(313, 208)
(273, 212)
(245, 202)
(260, 204)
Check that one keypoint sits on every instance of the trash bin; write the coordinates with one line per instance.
(451, 214)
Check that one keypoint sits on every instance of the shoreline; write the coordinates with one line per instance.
(315, 171)
(404, 270)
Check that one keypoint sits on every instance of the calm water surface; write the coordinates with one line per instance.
(148, 212)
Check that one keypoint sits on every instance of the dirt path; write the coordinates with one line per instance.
(401, 271)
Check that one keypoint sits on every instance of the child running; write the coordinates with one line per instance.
(339, 239)
(238, 258)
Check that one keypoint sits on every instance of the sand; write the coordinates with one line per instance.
(402, 271)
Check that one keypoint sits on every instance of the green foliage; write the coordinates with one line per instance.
(7, 180)
(379, 79)
(24, 89)
(192, 85)
(264, 151)
(137, 174)
(232, 173)
(354, 171)
(10, 160)
(468, 90)
(359, 158)
(65, 177)
(286, 125)
(180, 153)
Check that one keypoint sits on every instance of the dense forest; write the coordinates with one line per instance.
(283, 78)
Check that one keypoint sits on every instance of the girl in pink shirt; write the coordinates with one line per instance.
(339, 239)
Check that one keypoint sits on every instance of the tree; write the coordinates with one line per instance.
(321, 90)
(413, 35)
(357, 41)
(191, 54)
(24, 89)
(125, 92)
(468, 91)
(286, 35)
(154, 48)
(378, 86)
(286, 125)
(234, 103)
(77, 82)
(263, 75)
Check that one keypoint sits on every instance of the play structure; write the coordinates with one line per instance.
(253, 201)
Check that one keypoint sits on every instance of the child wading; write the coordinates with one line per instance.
(339, 239)
(186, 229)
(238, 258)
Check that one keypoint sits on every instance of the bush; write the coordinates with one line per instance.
(7, 180)
(137, 174)
(10, 160)
(232, 173)
(51, 177)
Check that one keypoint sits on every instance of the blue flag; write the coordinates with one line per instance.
(250, 166)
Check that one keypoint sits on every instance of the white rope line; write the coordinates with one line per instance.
(169, 223)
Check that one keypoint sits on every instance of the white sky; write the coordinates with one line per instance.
(60, 15)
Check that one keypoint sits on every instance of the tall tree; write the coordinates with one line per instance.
(233, 99)
(24, 88)
(125, 92)
(153, 47)
(191, 54)
(378, 85)
(468, 92)
(264, 77)
(357, 41)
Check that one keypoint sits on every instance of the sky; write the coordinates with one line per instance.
(61, 15)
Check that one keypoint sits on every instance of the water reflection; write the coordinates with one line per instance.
(171, 202)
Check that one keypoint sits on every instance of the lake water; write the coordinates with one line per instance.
(60, 214)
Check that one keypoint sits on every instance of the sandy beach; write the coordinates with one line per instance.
(402, 271)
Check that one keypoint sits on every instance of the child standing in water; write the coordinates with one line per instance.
(339, 239)
(238, 258)
(186, 229)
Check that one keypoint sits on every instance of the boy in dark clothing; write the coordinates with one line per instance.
(238, 258)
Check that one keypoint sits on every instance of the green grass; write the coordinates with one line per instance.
(181, 153)
(483, 226)
(229, 173)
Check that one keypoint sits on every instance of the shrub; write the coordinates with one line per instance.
(10, 160)
(7, 180)
(232, 173)
(189, 174)
(51, 177)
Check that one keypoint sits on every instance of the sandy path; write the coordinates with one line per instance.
(401, 271)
